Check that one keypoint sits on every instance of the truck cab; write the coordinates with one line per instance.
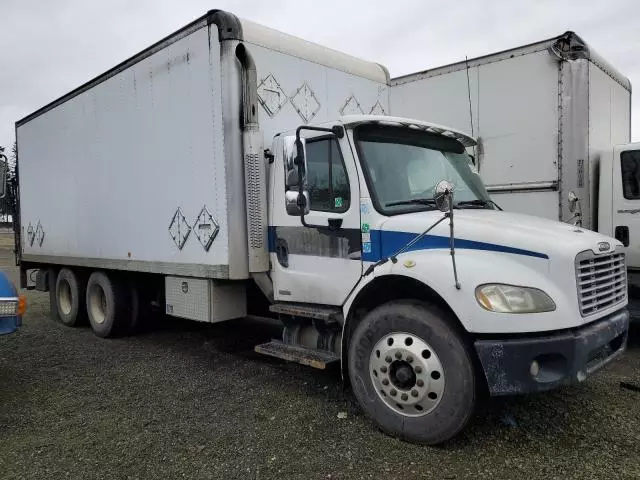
(424, 294)
(619, 203)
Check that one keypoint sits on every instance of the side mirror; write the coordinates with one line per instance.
(295, 167)
(292, 153)
(4, 168)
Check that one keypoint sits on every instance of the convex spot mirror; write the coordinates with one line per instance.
(573, 201)
(443, 195)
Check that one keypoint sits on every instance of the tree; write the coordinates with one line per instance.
(8, 204)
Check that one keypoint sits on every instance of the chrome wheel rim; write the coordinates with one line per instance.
(407, 374)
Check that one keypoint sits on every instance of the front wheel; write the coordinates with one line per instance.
(412, 373)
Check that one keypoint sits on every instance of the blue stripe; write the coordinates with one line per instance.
(385, 243)
(271, 239)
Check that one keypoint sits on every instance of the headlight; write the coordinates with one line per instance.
(500, 298)
(8, 307)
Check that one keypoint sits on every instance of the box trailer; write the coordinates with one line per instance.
(553, 122)
(230, 164)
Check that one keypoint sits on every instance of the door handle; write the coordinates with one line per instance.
(334, 223)
(282, 252)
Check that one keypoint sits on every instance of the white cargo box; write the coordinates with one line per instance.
(143, 168)
(542, 114)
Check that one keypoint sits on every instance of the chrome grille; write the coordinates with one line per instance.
(601, 279)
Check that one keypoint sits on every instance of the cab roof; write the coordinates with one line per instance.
(355, 120)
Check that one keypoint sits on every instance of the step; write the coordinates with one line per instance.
(312, 357)
(327, 314)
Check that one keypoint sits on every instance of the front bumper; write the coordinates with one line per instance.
(560, 358)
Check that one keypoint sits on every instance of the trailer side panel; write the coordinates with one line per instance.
(118, 175)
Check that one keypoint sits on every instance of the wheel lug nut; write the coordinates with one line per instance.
(414, 393)
(398, 355)
(420, 383)
(418, 369)
(410, 359)
(393, 392)
(388, 359)
(383, 369)
(385, 381)
(404, 397)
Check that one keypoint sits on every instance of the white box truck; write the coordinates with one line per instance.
(230, 164)
(553, 123)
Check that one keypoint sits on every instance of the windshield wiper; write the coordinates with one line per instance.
(412, 201)
(478, 202)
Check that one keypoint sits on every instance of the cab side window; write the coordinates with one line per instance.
(327, 179)
(630, 167)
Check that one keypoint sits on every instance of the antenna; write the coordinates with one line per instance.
(466, 60)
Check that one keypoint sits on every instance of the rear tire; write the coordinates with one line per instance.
(421, 385)
(108, 305)
(69, 297)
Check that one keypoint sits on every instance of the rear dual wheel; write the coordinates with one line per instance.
(111, 305)
(412, 373)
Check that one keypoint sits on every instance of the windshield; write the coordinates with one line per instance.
(404, 166)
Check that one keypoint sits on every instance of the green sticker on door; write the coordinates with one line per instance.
(338, 202)
(365, 228)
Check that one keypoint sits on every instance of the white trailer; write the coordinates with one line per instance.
(230, 164)
(553, 122)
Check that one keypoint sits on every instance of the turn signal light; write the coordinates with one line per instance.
(22, 305)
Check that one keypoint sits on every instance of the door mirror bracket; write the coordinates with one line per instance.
(297, 200)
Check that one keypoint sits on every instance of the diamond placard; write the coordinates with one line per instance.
(179, 229)
(377, 109)
(31, 234)
(206, 228)
(351, 107)
(271, 95)
(305, 102)
(39, 235)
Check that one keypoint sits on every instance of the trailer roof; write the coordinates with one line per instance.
(298, 47)
(568, 46)
(231, 27)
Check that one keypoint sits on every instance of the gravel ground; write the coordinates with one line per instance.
(185, 400)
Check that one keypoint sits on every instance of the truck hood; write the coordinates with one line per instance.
(489, 230)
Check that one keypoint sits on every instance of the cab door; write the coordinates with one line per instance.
(626, 200)
(319, 263)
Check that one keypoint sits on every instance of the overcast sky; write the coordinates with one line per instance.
(48, 47)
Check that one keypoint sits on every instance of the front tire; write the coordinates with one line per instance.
(412, 373)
